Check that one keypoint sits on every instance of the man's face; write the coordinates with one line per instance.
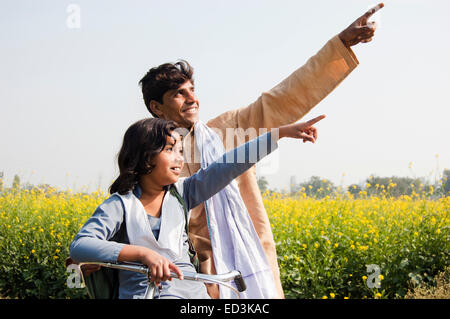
(179, 105)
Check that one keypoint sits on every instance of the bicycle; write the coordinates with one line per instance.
(234, 276)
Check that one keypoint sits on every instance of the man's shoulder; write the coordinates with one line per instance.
(224, 120)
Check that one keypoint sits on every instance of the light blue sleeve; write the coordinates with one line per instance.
(207, 182)
(92, 241)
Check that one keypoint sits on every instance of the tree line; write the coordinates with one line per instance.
(320, 187)
(374, 185)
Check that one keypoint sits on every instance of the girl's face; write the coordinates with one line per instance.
(169, 162)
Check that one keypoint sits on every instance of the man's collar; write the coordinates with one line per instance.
(191, 132)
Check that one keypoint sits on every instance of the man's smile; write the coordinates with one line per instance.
(190, 109)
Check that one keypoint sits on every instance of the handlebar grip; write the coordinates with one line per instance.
(240, 283)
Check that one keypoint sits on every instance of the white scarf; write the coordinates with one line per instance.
(235, 243)
(139, 230)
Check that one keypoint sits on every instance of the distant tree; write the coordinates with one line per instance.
(354, 189)
(446, 182)
(394, 186)
(317, 187)
(16, 182)
(43, 187)
(1, 181)
(262, 183)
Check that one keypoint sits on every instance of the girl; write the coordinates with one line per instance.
(150, 161)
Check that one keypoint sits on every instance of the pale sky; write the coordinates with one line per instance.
(68, 94)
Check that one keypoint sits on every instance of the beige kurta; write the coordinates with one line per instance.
(286, 103)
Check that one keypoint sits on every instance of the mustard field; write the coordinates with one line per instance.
(333, 247)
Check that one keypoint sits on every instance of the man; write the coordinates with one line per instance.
(168, 93)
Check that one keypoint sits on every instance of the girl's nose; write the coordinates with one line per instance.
(179, 158)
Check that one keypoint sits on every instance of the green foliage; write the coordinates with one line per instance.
(262, 184)
(376, 186)
(36, 229)
(439, 289)
(324, 245)
(446, 182)
(397, 186)
(355, 190)
(316, 187)
(16, 182)
(1, 181)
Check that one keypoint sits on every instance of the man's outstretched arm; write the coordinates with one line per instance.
(295, 96)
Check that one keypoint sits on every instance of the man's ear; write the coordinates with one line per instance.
(156, 108)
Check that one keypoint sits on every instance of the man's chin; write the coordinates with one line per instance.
(189, 121)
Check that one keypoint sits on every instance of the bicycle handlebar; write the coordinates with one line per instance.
(221, 279)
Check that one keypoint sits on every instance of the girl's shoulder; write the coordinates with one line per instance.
(113, 202)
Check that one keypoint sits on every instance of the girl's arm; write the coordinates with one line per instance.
(92, 243)
(207, 182)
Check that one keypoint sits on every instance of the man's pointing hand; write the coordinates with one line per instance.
(360, 30)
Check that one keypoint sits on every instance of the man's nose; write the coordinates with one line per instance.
(190, 97)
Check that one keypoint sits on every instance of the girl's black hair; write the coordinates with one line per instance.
(141, 143)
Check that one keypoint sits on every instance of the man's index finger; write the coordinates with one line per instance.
(315, 120)
(373, 10)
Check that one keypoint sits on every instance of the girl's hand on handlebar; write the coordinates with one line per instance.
(302, 130)
(159, 266)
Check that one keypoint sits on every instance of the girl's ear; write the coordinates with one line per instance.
(156, 108)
